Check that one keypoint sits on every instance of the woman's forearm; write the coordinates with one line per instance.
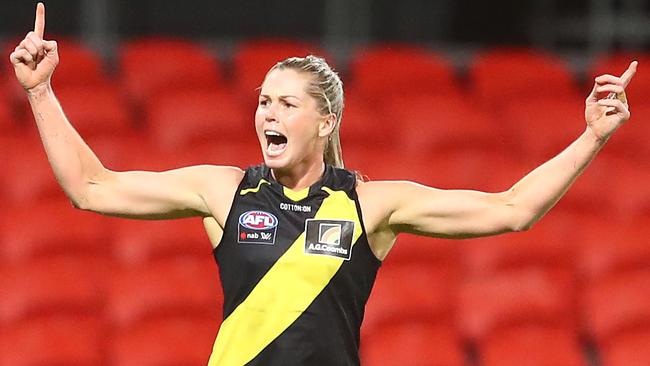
(73, 162)
(542, 188)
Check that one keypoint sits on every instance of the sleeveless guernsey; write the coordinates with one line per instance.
(296, 271)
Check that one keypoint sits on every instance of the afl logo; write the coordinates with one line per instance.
(258, 220)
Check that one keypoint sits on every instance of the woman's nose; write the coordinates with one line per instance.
(270, 114)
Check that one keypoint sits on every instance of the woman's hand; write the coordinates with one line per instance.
(34, 59)
(604, 114)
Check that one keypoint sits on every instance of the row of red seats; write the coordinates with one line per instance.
(534, 129)
(511, 307)
(376, 72)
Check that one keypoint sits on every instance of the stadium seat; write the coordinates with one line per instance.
(532, 346)
(178, 120)
(608, 247)
(513, 298)
(543, 126)
(383, 71)
(52, 228)
(616, 64)
(542, 247)
(412, 343)
(361, 125)
(164, 342)
(628, 141)
(412, 249)
(253, 59)
(629, 349)
(151, 65)
(181, 288)
(100, 112)
(436, 124)
(618, 304)
(504, 74)
(71, 285)
(7, 120)
(415, 292)
(26, 174)
(139, 242)
(79, 66)
(72, 341)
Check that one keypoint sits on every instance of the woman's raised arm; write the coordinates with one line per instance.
(408, 207)
(89, 185)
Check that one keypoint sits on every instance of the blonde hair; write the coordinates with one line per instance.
(327, 88)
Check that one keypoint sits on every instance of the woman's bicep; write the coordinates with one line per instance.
(449, 213)
(175, 193)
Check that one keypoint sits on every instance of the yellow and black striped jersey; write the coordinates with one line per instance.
(296, 271)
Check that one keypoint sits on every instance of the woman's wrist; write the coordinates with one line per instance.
(39, 91)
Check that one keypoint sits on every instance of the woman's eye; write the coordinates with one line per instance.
(263, 103)
(288, 105)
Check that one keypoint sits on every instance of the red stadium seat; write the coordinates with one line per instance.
(381, 72)
(181, 288)
(50, 228)
(151, 65)
(362, 126)
(544, 126)
(7, 119)
(27, 175)
(423, 292)
(542, 247)
(100, 112)
(138, 242)
(253, 59)
(412, 343)
(618, 304)
(178, 120)
(513, 298)
(419, 250)
(629, 349)
(532, 346)
(79, 66)
(607, 247)
(628, 141)
(72, 341)
(434, 124)
(51, 287)
(165, 342)
(502, 75)
(616, 64)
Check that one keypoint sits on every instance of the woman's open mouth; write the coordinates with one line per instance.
(276, 143)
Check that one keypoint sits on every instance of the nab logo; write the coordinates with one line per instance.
(257, 227)
(258, 220)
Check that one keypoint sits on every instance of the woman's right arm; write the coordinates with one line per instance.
(89, 185)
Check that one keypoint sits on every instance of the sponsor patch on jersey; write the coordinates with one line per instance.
(257, 227)
(329, 237)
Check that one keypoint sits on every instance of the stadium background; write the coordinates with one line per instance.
(455, 94)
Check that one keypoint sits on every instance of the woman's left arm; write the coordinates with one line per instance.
(414, 208)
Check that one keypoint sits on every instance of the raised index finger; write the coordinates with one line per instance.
(627, 75)
(39, 23)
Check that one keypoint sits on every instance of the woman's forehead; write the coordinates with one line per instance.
(285, 82)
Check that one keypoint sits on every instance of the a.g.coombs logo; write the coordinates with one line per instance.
(329, 237)
(257, 227)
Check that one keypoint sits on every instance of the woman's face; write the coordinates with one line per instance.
(287, 120)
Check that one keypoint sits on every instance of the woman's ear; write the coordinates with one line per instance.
(327, 125)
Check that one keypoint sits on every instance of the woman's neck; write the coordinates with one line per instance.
(301, 176)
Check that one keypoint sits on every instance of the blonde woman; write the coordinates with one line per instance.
(299, 239)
